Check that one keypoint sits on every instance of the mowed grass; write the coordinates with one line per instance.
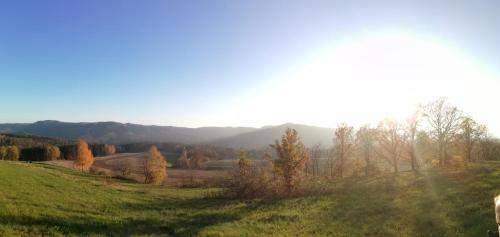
(44, 200)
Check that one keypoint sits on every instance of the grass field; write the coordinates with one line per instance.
(40, 199)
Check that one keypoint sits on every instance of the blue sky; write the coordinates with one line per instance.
(201, 63)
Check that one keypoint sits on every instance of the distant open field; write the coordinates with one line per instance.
(47, 200)
(214, 171)
(231, 164)
(111, 164)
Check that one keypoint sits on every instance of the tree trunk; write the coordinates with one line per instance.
(341, 168)
(412, 163)
(395, 162)
(441, 159)
(469, 154)
(445, 156)
(367, 168)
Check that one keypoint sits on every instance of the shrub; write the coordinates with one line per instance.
(282, 180)
(125, 168)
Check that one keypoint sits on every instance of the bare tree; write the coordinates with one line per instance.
(471, 133)
(343, 145)
(444, 121)
(412, 124)
(489, 147)
(125, 167)
(329, 169)
(391, 141)
(365, 144)
(312, 164)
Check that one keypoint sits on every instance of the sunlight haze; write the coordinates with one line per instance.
(369, 78)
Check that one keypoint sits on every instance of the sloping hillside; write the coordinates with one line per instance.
(43, 200)
(113, 132)
(261, 138)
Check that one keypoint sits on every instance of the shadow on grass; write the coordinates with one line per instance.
(402, 205)
(168, 218)
(466, 199)
(88, 226)
(67, 225)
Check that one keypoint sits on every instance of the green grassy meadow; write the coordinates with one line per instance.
(43, 200)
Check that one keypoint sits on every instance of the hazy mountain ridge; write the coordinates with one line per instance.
(310, 136)
(119, 133)
(114, 132)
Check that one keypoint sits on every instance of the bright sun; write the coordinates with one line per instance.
(366, 80)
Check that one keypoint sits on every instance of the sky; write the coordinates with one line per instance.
(246, 63)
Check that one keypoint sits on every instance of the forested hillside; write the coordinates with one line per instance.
(113, 132)
(119, 133)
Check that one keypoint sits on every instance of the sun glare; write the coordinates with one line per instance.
(368, 79)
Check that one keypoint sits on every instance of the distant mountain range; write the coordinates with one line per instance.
(119, 133)
(259, 138)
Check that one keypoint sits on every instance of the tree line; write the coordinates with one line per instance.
(435, 135)
(210, 152)
(63, 152)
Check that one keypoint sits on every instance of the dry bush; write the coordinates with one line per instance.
(259, 184)
(283, 180)
(125, 167)
(263, 184)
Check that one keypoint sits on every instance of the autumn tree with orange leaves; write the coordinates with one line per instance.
(292, 158)
(155, 169)
(84, 158)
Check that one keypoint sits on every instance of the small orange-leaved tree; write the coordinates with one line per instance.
(155, 169)
(292, 157)
(84, 158)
